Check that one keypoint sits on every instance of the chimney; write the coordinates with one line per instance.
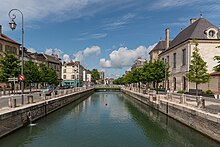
(167, 36)
(0, 30)
(192, 20)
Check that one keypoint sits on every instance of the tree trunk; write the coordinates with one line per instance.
(197, 93)
(156, 87)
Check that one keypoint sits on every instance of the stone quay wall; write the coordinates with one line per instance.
(206, 123)
(18, 117)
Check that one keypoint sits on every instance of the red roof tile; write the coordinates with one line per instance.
(6, 38)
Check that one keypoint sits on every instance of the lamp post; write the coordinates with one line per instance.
(13, 25)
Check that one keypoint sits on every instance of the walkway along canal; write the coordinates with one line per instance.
(107, 119)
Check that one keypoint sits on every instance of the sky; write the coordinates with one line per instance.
(104, 34)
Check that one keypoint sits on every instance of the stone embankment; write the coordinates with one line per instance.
(194, 117)
(15, 118)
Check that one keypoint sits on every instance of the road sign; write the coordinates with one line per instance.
(21, 77)
(13, 79)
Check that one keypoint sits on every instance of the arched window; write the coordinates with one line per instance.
(174, 83)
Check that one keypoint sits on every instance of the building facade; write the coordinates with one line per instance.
(139, 63)
(72, 74)
(178, 53)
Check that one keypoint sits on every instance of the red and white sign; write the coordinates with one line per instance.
(21, 77)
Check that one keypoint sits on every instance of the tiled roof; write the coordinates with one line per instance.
(72, 63)
(52, 58)
(161, 45)
(193, 31)
(215, 73)
(6, 38)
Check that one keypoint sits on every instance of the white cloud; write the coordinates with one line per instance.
(79, 56)
(32, 50)
(92, 50)
(124, 57)
(55, 51)
(86, 36)
(66, 58)
(119, 22)
(105, 63)
(55, 10)
(159, 4)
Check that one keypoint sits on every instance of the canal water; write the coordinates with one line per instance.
(107, 119)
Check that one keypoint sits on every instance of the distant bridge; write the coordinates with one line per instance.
(107, 88)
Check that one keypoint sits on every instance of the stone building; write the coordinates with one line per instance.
(8, 45)
(178, 52)
(72, 74)
(138, 63)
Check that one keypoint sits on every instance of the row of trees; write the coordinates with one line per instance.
(151, 72)
(33, 73)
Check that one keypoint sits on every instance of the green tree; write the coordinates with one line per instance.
(95, 75)
(51, 76)
(217, 67)
(43, 73)
(9, 67)
(198, 69)
(31, 73)
(158, 72)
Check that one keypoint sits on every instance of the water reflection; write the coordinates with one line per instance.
(106, 119)
(162, 130)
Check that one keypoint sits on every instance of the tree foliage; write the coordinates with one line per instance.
(31, 72)
(95, 75)
(217, 67)
(151, 72)
(9, 67)
(197, 69)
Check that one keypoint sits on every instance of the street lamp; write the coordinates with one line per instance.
(13, 25)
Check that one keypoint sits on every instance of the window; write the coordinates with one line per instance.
(72, 76)
(64, 70)
(184, 83)
(174, 60)
(184, 57)
(64, 76)
(1, 47)
(174, 83)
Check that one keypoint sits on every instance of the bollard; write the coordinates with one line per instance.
(14, 103)
(30, 99)
(182, 99)
(203, 103)
(10, 102)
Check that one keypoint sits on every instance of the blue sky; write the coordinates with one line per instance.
(104, 34)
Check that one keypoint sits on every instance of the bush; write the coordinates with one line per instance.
(181, 91)
(209, 92)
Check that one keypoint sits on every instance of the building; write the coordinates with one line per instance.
(72, 74)
(139, 63)
(178, 52)
(102, 77)
(8, 45)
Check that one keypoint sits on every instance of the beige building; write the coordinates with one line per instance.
(72, 74)
(8, 45)
(138, 63)
(179, 51)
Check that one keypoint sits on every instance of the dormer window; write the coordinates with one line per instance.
(211, 33)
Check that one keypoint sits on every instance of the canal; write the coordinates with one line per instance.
(106, 119)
